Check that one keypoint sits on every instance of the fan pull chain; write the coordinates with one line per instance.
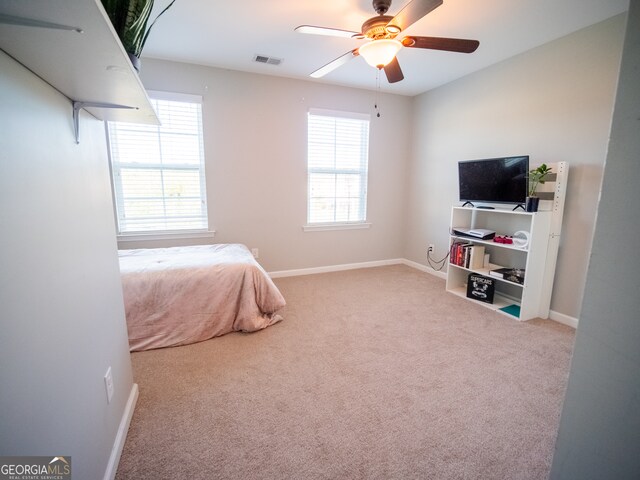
(377, 92)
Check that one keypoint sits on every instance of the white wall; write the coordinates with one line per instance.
(599, 431)
(62, 315)
(553, 103)
(255, 148)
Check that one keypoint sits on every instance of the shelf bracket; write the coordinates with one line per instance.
(29, 22)
(76, 113)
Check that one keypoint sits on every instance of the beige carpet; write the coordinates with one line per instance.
(373, 374)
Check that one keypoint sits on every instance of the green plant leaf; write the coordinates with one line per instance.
(136, 25)
(144, 39)
(537, 176)
(130, 19)
(117, 11)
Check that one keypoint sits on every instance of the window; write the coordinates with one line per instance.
(337, 162)
(158, 170)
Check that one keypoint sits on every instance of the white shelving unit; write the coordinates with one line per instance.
(538, 258)
(531, 258)
(71, 45)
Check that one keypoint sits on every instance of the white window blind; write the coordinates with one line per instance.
(158, 170)
(337, 163)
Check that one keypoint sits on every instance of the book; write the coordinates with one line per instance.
(452, 253)
(480, 288)
(515, 275)
(476, 257)
(467, 255)
(458, 252)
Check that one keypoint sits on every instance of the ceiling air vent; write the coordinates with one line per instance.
(267, 60)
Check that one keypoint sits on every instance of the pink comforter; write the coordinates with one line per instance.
(181, 295)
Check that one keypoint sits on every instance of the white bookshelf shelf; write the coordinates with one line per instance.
(485, 272)
(499, 301)
(478, 241)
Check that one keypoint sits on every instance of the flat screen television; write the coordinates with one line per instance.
(494, 180)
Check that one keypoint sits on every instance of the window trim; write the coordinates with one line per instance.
(166, 235)
(323, 227)
(347, 224)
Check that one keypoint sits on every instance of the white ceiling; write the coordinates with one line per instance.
(228, 34)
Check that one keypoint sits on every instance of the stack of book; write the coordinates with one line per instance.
(467, 255)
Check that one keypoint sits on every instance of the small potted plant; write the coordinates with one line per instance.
(129, 19)
(537, 177)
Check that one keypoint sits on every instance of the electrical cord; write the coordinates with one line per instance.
(441, 262)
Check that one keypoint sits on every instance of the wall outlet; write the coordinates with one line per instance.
(255, 252)
(431, 248)
(108, 384)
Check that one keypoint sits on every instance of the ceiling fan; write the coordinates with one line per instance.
(381, 49)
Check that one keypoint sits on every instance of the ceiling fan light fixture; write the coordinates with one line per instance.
(378, 53)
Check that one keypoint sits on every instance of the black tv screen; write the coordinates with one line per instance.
(494, 180)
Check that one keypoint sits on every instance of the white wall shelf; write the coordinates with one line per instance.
(90, 68)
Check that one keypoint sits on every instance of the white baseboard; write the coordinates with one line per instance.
(121, 436)
(424, 268)
(564, 319)
(334, 268)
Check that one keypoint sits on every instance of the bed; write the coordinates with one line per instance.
(182, 295)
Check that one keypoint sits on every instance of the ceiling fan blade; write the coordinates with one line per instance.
(440, 43)
(338, 62)
(393, 71)
(412, 12)
(331, 32)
